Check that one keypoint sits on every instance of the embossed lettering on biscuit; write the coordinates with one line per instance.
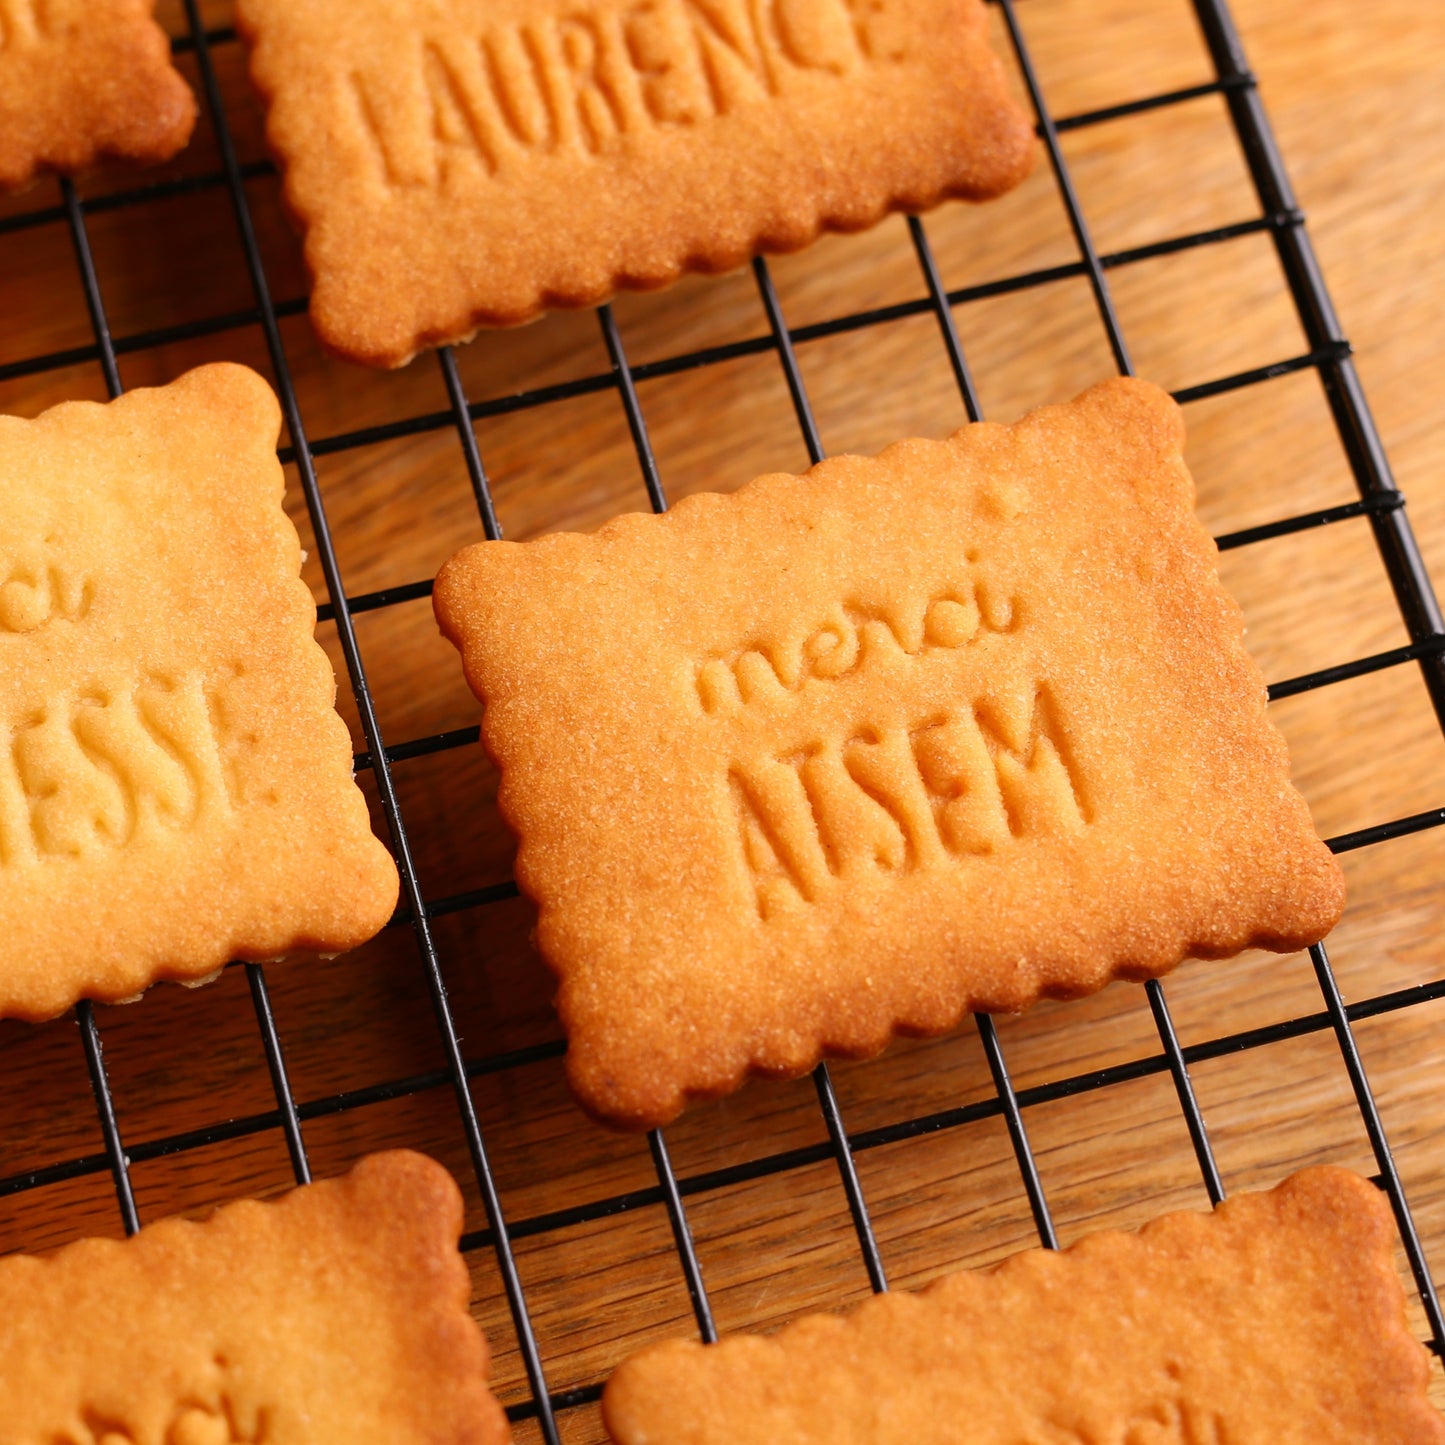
(1280, 1318)
(338, 1313)
(458, 163)
(175, 785)
(83, 80)
(792, 773)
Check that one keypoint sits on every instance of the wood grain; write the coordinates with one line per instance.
(1356, 96)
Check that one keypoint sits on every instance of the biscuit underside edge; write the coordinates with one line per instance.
(470, 321)
(125, 993)
(598, 1105)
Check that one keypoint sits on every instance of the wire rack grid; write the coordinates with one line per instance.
(1380, 501)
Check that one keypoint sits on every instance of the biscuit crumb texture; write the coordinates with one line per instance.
(844, 756)
(1278, 1320)
(176, 788)
(85, 80)
(466, 163)
(337, 1315)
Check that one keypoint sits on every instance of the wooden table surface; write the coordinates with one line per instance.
(1356, 94)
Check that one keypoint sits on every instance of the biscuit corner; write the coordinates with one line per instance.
(230, 387)
(78, 88)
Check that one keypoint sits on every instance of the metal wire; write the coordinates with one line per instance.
(1414, 592)
(115, 1154)
(85, 1013)
(381, 769)
(682, 1237)
(848, 1170)
(1017, 1132)
(1050, 133)
(276, 1066)
(1379, 1142)
(481, 488)
(1380, 506)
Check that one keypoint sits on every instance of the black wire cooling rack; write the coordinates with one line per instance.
(1329, 356)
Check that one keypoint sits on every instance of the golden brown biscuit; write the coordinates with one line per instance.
(1278, 1320)
(175, 785)
(86, 79)
(845, 755)
(459, 163)
(335, 1316)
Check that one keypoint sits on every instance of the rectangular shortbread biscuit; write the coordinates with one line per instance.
(457, 163)
(1278, 1320)
(336, 1316)
(845, 755)
(85, 79)
(176, 788)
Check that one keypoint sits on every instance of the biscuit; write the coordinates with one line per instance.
(338, 1314)
(1277, 1319)
(466, 163)
(176, 788)
(85, 79)
(844, 756)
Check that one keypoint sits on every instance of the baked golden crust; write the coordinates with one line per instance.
(1277, 1319)
(846, 755)
(466, 163)
(83, 80)
(337, 1315)
(175, 786)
